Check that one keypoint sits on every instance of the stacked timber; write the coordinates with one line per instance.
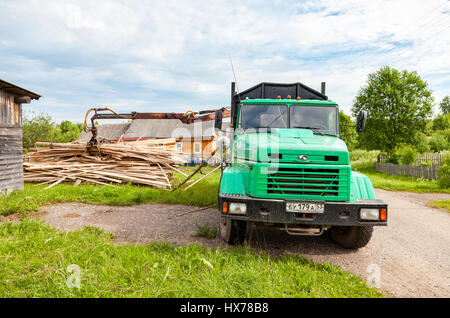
(146, 162)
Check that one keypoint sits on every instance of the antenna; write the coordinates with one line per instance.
(234, 75)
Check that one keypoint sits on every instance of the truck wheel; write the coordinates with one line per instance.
(351, 237)
(233, 231)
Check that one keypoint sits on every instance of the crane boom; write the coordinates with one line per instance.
(188, 117)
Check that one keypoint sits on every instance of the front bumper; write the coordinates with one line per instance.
(274, 211)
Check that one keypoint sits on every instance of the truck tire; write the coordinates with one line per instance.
(233, 231)
(351, 237)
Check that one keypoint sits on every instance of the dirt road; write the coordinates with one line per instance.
(412, 254)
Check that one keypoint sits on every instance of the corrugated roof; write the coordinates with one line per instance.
(17, 90)
(169, 128)
(153, 128)
(110, 131)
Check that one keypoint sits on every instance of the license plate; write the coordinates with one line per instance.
(305, 207)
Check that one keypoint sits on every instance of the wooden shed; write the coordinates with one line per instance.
(11, 99)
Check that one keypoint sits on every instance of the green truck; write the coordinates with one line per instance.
(289, 168)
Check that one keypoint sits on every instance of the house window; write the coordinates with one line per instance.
(179, 147)
(197, 147)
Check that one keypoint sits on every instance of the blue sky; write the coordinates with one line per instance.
(154, 56)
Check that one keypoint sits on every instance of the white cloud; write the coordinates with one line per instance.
(170, 56)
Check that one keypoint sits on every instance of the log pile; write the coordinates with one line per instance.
(146, 162)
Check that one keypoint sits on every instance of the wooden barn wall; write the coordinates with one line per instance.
(10, 112)
(11, 169)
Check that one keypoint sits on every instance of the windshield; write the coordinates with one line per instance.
(263, 116)
(320, 119)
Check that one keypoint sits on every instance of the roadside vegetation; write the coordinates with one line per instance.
(34, 196)
(35, 260)
(441, 204)
(208, 230)
(363, 161)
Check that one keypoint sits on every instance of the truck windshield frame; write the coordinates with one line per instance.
(320, 119)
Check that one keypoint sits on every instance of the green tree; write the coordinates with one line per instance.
(399, 104)
(438, 142)
(36, 127)
(421, 142)
(348, 133)
(441, 122)
(41, 127)
(66, 131)
(445, 105)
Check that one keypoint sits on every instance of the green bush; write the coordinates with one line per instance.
(441, 122)
(403, 155)
(407, 154)
(422, 143)
(438, 142)
(446, 134)
(359, 154)
(41, 127)
(444, 173)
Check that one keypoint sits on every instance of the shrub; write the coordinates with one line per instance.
(357, 155)
(441, 122)
(393, 157)
(403, 155)
(422, 143)
(446, 134)
(407, 154)
(444, 173)
(208, 230)
(439, 142)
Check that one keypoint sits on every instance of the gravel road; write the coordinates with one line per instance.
(411, 254)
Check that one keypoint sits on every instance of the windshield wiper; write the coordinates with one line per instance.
(315, 129)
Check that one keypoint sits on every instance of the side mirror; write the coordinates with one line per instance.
(218, 120)
(361, 121)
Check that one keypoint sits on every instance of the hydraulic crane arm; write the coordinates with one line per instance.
(188, 117)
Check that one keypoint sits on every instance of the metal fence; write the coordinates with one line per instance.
(425, 166)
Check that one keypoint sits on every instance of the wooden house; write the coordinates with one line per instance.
(11, 99)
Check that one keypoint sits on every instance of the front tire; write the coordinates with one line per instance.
(232, 231)
(351, 237)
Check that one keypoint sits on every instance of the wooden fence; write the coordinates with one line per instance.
(426, 172)
(425, 166)
(433, 159)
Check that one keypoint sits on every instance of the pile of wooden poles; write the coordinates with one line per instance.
(146, 162)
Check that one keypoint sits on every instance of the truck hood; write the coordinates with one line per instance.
(286, 145)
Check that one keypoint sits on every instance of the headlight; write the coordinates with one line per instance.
(369, 214)
(237, 208)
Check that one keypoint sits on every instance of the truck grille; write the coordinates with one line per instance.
(303, 181)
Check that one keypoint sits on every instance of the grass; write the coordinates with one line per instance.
(365, 164)
(442, 204)
(34, 259)
(34, 196)
(208, 230)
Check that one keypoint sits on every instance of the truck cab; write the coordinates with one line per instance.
(290, 168)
